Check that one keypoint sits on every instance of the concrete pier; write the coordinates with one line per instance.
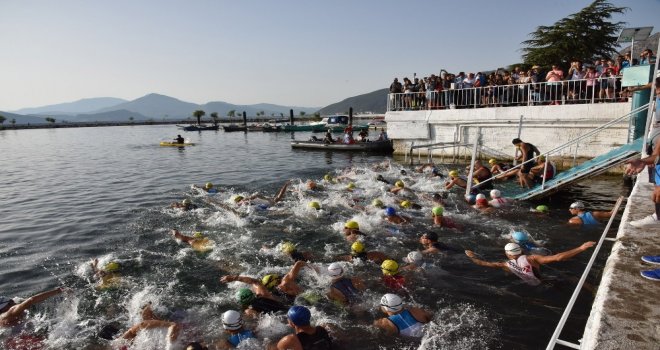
(626, 311)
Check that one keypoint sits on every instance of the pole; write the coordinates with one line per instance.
(649, 111)
(350, 117)
(515, 155)
(468, 188)
(291, 116)
(244, 119)
(632, 50)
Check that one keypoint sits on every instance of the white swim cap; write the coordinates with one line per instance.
(577, 205)
(414, 257)
(481, 196)
(232, 320)
(512, 249)
(495, 193)
(335, 270)
(391, 302)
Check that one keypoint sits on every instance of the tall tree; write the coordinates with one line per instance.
(583, 36)
(2, 119)
(13, 121)
(231, 113)
(214, 116)
(199, 114)
(50, 120)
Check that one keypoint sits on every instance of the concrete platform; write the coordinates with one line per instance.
(626, 311)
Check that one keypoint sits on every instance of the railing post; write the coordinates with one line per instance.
(468, 188)
(545, 171)
(593, 91)
(515, 155)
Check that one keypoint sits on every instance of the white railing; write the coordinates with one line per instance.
(604, 89)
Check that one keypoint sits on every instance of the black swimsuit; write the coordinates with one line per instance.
(262, 304)
(320, 340)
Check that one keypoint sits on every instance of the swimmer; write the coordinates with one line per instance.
(393, 217)
(527, 267)
(415, 262)
(440, 220)
(109, 277)
(273, 286)
(455, 180)
(198, 242)
(254, 304)
(313, 186)
(314, 205)
(345, 290)
(329, 179)
(232, 322)
(186, 205)
(358, 252)
(528, 245)
(498, 168)
(497, 201)
(208, 188)
(434, 170)
(352, 231)
(541, 209)
(12, 313)
(480, 176)
(431, 245)
(149, 321)
(410, 205)
(392, 278)
(537, 171)
(382, 179)
(482, 204)
(350, 187)
(583, 217)
(408, 322)
(399, 186)
(378, 204)
(290, 250)
(261, 200)
(306, 337)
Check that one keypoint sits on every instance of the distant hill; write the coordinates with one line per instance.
(72, 108)
(372, 102)
(121, 115)
(21, 119)
(156, 106)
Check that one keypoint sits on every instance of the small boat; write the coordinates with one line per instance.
(337, 124)
(234, 127)
(369, 146)
(199, 127)
(271, 127)
(255, 127)
(308, 127)
(175, 144)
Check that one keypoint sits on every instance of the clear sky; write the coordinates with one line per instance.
(297, 53)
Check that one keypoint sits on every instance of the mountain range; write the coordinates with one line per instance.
(161, 107)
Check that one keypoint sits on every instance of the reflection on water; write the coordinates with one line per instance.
(72, 195)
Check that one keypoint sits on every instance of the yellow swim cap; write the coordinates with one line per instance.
(112, 266)
(186, 202)
(377, 203)
(399, 184)
(357, 247)
(315, 205)
(390, 267)
(406, 204)
(542, 158)
(288, 247)
(237, 198)
(492, 161)
(270, 281)
(353, 225)
(198, 235)
(327, 177)
(208, 186)
(350, 186)
(453, 173)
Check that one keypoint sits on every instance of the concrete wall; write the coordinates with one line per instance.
(545, 126)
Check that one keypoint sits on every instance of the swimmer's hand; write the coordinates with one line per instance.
(228, 278)
(634, 166)
(587, 245)
(470, 254)
(173, 332)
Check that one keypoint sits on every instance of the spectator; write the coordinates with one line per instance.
(554, 78)
(646, 57)
(395, 100)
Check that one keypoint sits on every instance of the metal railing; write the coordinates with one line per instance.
(603, 89)
(560, 326)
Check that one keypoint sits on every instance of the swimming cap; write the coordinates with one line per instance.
(520, 237)
(327, 177)
(406, 204)
(495, 193)
(198, 235)
(357, 247)
(391, 302)
(432, 236)
(389, 211)
(543, 209)
(350, 186)
(232, 320)
(512, 249)
(453, 173)
(482, 201)
(481, 196)
(299, 315)
(335, 270)
(315, 205)
(516, 141)
(577, 205)
(399, 184)
(377, 203)
(112, 266)
(288, 247)
(245, 296)
(271, 280)
(541, 158)
(470, 198)
(186, 202)
(208, 186)
(389, 267)
(492, 161)
(438, 211)
(414, 257)
(237, 198)
(353, 225)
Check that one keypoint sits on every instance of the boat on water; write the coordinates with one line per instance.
(368, 146)
(175, 144)
(316, 126)
(198, 127)
(234, 127)
(272, 127)
(337, 124)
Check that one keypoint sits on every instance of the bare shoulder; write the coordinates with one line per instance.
(289, 342)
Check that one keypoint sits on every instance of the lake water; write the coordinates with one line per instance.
(71, 195)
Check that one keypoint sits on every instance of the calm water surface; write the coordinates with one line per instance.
(71, 195)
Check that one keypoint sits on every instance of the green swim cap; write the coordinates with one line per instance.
(377, 203)
(438, 211)
(543, 209)
(112, 266)
(315, 205)
(198, 235)
(245, 296)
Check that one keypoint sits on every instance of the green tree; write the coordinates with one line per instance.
(583, 36)
(215, 117)
(131, 119)
(13, 121)
(231, 113)
(302, 113)
(2, 119)
(50, 120)
(199, 114)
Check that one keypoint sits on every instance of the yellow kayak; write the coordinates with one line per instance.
(174, 144)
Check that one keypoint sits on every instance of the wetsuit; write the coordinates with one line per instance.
(287, 298)
(237, 338)
(261, 304)
(297, 256)
(529, 154)
(523, 269)
(320, 340)
(530, 248)
(588, 218)
(359, 256)
(394, 282)
(442, 246)
(407, 325)
(347, 289)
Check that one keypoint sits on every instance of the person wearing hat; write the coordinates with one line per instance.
(528, 245)
(352, 231)
(208, 188)
(434, 172)
(431, 245)
(306, 336)
(480, 175)
(359, 252)
(541, 210)
(292, 251)
(497, 201)
(408, 322)
(497, 168)
(527, 152)
(108, 276)
(12, 313)
(481, 203)
(537, 170)
(583, 217)
(400, 188)
(232, 322)
(455, 180)
(415, 262)
(392, 217)
(185, 205)
(345, 290)
(197, 241)
(526, 267)
(439, 219)
(392, 277)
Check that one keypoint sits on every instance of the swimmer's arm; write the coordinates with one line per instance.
(472, 256)
(334, 294)
(289, 342)
(293, 273)
(172, 328)
(35, 299)
(575, 220)
(602, 215)
(256, 284)
(539, 259)
(387, 326)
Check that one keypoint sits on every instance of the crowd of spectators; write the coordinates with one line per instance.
(599, 81)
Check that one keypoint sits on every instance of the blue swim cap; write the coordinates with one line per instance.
(299, 315)
(389, 211)
(262, 206)
(471, 198)
(519, 236)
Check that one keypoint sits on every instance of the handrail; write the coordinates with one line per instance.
(555, 336)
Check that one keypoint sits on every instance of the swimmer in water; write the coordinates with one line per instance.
(291, 251)
(255, 303)
(12, 313)
(497, 168)
(437, 213)
(410, 205)
(528, 245)
(415, 262)
(407, 322)
(345, 290)
(382, 179)
(109, 277)
(358, 252)
(497, 200)
(198, 242)
(393, 217)
(306, 337)
(273, 286)
(240, 200)
(527, 267)
(431, 245)
(392, 278)
(455, 180)
(482, 204)
(377, 204)
(352, 231)
(541, 210)
(583, 217)
(399, 187)
(232, 323)
(185, 205)
(208, 188)
(435, 172)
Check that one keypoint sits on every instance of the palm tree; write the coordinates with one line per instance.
(231, 113)
(199, 114)
(50, 120)
(302, 113)
(131, 119)
(2, 119)
(214, 116)
(13, 121)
